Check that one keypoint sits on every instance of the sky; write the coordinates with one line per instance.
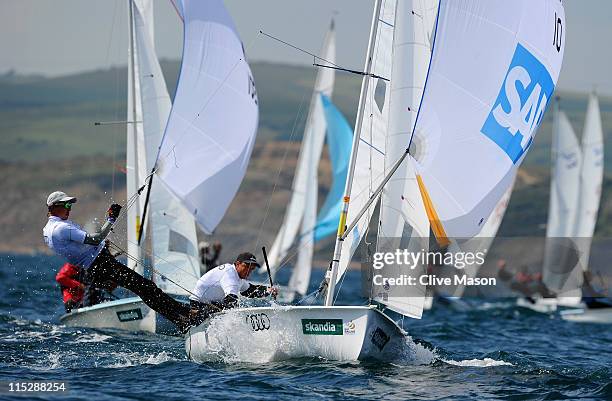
(59, 37)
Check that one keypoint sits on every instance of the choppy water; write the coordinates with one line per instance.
(494, 352)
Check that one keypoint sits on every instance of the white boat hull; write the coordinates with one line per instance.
(265, 334)
(549, 305)
(129, 314)
(540, 305)
(585, 315)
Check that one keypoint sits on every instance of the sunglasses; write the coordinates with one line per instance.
(67, 205)
(250, 265)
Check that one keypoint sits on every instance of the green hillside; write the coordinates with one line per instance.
(43, 119)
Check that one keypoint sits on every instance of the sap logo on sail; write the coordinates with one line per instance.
(520, 105)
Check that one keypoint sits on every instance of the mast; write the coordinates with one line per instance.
(332, 273)
(134, 215)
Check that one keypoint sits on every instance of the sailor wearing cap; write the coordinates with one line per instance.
(220, 287)
(67, 238)
(88, 251)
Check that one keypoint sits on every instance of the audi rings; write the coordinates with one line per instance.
(258, 321)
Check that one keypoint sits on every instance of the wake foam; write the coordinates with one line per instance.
(410, 352)
(92, 338)
(477, 363)
(126, 360)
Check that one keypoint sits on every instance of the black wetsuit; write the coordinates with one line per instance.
(105, 267)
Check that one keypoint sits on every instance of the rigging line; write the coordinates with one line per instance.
(154, 270)
(292, 255)
(177, 11)
(280, 167)
(152, 254)
(371, 75)
(299, 49)
(333, 66)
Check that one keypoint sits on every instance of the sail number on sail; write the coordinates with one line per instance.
(252, 89)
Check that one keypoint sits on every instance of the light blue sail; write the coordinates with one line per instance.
(339, 140)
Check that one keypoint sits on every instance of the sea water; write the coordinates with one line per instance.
(494, 351)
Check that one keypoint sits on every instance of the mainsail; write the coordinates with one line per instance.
(136, 165)
(302, 208)
(213, 122)
(403, 221)
(591, 177)
(173, 233)
(560, 254)
(370, 128)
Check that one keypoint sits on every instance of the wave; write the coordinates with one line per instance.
(477, 363)
(92, 338)
(125, 360)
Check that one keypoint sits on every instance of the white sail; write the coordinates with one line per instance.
(212, 126)
(591, 177)
(493, 71)
(369, 165)
(481, 243)
(173, 233)
(135, 160)
(402, 215)
(560, 257)
(302, 206)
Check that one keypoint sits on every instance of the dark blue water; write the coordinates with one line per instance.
(494, 352)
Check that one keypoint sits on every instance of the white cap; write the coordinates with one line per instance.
(59, 196)
(204, 244)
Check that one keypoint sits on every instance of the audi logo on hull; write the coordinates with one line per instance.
(258, 321)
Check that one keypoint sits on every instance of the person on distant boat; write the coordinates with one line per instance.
(209, 255)
(593, 298)
(71, 280)
(88, 251)
(220, 287)
(528, 285)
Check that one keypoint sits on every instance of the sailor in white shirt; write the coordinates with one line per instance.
(88, 251)
(220, 287)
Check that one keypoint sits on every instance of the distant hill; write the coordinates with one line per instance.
(48, 141)
(53, 118)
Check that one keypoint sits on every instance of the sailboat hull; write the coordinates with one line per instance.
(540, 305)
(265, 334)
(129, 314)
(585, 315)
